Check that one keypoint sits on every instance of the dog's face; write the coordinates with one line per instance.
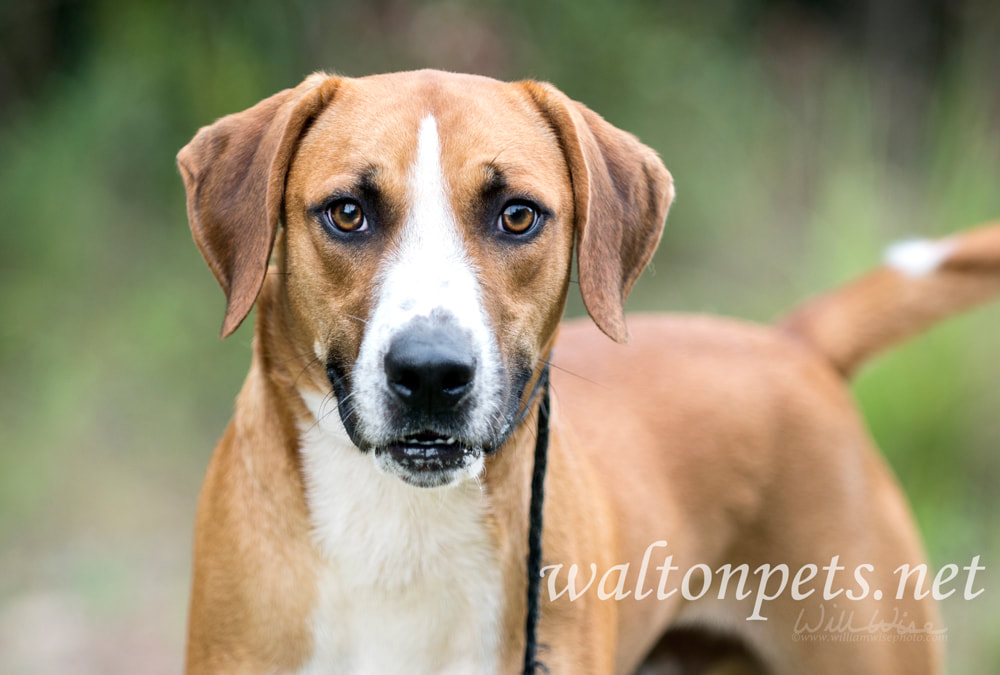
(429, 225)
(427, 255)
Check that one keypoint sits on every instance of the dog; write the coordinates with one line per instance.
(367, 509)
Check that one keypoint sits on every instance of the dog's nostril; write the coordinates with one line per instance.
(402, 379)
(457, 377)
(430, 368)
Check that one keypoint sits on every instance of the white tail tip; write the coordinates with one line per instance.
(917, 257)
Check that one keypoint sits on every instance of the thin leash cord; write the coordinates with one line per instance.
(531, 665)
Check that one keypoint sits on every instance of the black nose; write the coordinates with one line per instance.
(430, 367)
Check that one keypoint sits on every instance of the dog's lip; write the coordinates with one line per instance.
(429, 451)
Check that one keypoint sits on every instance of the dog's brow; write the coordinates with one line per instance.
(368, 179)
(507, 180)
(370, 185)
(365, 181)
(494, 179)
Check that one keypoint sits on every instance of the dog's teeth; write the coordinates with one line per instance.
(451, 440)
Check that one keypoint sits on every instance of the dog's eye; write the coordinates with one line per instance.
(517, 218)
(346, 215)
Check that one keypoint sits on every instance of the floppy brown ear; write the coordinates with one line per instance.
(234, 174)
(621, 194)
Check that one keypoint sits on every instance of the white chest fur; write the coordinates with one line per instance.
(412, 581)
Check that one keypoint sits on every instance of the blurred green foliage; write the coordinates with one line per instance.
(798, 148)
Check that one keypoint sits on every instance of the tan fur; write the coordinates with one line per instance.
(734, 442)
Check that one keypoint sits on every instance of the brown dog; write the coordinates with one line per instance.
(367, 509)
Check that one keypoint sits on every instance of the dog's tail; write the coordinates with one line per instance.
(920, 283)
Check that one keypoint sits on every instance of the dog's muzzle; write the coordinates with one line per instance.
(430, 370)
(427, 397)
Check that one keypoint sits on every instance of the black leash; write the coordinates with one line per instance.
(531, 664)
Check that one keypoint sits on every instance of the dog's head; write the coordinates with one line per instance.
(429, 221)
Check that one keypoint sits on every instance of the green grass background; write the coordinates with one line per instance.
(797, 158)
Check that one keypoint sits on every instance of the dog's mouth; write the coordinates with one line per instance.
(428, 458)
(428, 450)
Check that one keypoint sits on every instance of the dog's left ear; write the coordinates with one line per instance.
(621, 194)
(234, 174)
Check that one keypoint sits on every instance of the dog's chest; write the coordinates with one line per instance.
(411, 582)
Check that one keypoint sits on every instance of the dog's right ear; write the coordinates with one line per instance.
(234, 174)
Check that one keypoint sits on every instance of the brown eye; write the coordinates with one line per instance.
(517, 218)
(346, 216)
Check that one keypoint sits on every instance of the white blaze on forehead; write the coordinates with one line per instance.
(430, 203)
(431, 257)
(428, 272)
